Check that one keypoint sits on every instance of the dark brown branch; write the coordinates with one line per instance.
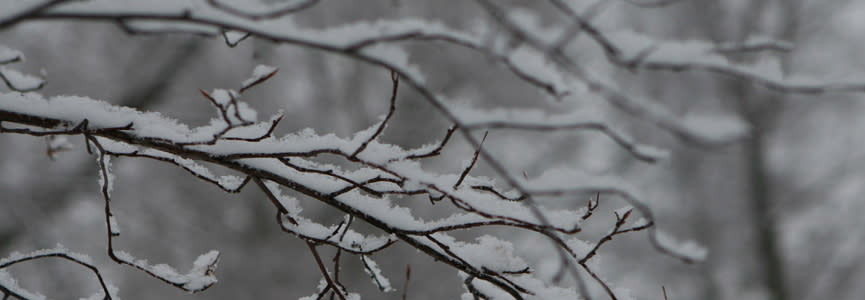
(195, 173)
(512, 287)
(279, 207)
(16, 58)
(231, 43)
(478, 295)
(13, 87)
(472, 164)
(395, 79)
(497, 193)
(113, 232)
(407, 278)
(81, 128)
(332, 243)
(330, 172)
(591, 206)
(265, 135)
(372, 273)
(257, 81)
(437, 150)
(330, 283)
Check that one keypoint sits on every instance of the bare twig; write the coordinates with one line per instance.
(471, 164)
(437, 150)
(331, 284)
(395, 79)
(257, 81)
(112, 232)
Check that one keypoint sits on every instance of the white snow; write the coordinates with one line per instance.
(199, 277)
(396, 57)
(106, 179)
(530, 23)
(255, 8)
(259, 73)
(100, 114)
(718, 127)
(487, 252)
(349, 240)
(621, 211)
(372, 269)
(201, 274)
(234, 37)
(100, 295)
(60, 142)
(115, 228)
(580, 247)
(534, 64)
(288, 202)
(227, 182)
(541, 290)
(9, 282)
(161, 26)
(17, 256)
(237, 112)
(689, 249)
(8, 55)
(20, 81)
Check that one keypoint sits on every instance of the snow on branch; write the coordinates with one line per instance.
(9, 286)
(14, 79)
(8, 55)
(21, 82)
(381, 173)
(256, 9)
(384, 171)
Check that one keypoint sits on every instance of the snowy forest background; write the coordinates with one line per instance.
(779, 211)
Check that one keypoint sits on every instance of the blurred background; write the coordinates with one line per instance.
(780, 211)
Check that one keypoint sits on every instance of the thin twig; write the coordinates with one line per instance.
(330, 283)
(472, 164)
(395, 79)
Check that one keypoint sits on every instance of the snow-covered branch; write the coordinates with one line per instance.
(372, 181)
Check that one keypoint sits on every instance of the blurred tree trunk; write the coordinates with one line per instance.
(760, 110)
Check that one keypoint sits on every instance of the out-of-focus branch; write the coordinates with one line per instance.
(283, 9)
(59, 253)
